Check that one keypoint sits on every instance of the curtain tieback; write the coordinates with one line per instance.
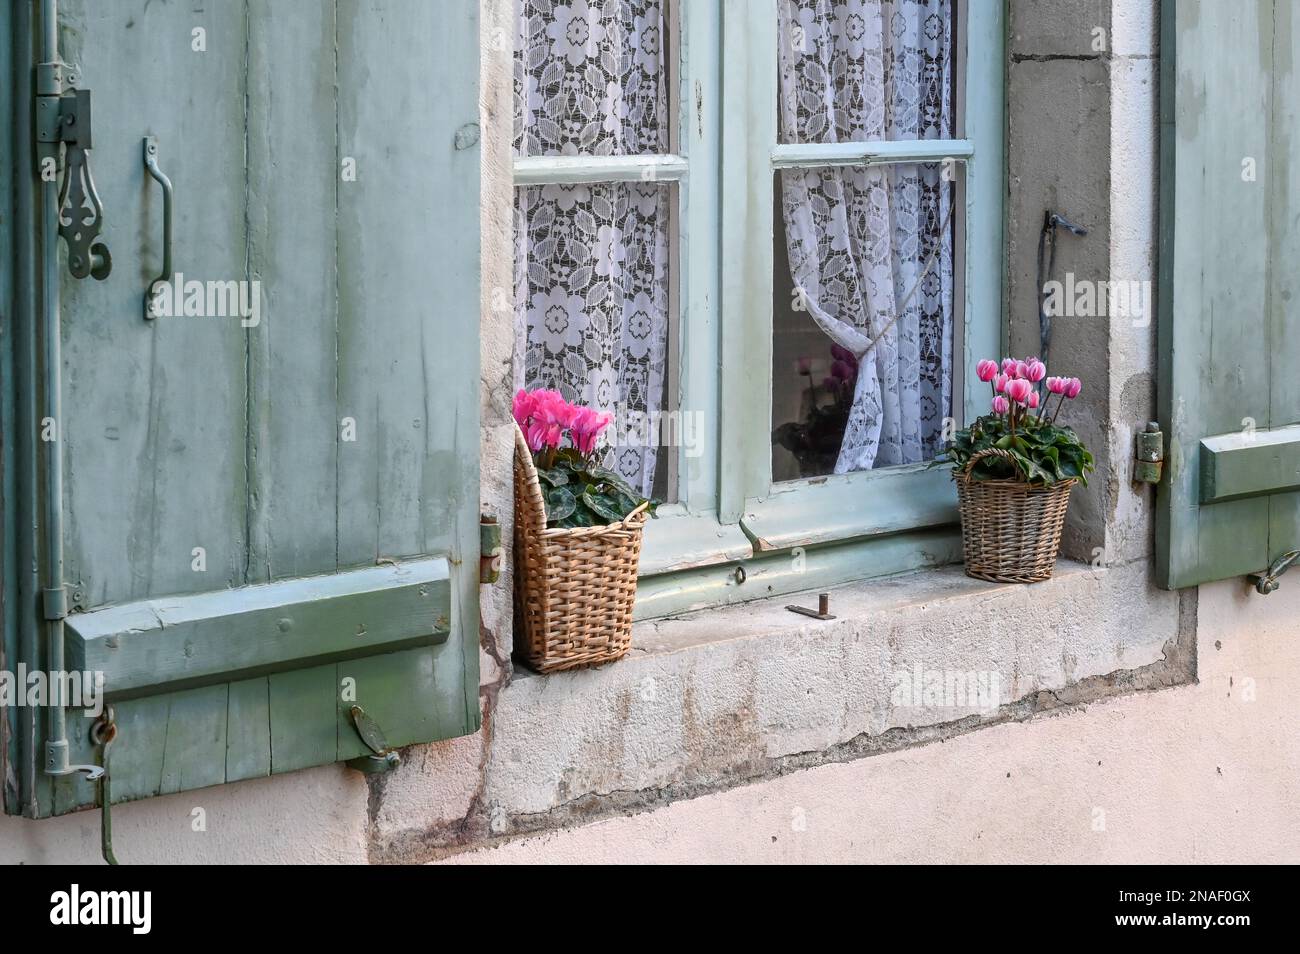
(907, 299)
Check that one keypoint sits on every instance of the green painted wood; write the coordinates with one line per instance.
(156, 412)
(11, 718)
(847, 506)
(1228, 329)
(194, 747)
(248, 737)
(197, 432)
(409, 299)
(749, 133)
(165, 643)
(303, 727)
(777, 573)
(677, 539)
(294, 173)
(700, 112)
(385, 687)
(1284, 332)
(1250, 464)
(982, 257)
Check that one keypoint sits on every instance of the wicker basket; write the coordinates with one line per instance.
(1010, 531)
(574, 589)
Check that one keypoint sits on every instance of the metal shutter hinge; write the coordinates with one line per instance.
(491, 554)
(1149, 455)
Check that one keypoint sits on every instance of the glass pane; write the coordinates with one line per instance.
(592, 307)
(863, 317)
(865, 70)
(591, 78)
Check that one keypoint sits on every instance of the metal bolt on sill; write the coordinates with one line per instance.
(823, 610)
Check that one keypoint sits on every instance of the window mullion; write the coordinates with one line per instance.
(749, 72)
(568, 170)
(794, 155)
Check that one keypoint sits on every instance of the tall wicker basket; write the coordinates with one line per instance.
(574, 589)
(1010, 531)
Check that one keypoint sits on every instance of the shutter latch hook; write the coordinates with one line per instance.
(1267, 582)
(102, 733)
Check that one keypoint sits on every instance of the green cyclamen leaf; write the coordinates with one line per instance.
(603, 507)
(614, 479)
(560, 504)
(555, 476)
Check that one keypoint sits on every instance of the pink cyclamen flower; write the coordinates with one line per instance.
(1000, 383)
(1001, 405)
(1019, 390)
(1009, 366)
(841, 353)
(550, 416)
(831, 383)
(586, 428)
(842, 370)
(1022, 369)
(1072, 388)
(523, 407)
(1056, 385)
(804, 365)
(1033, 400)
(986, 370)
(1035, 370)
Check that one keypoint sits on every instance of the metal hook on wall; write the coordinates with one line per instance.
(1046, 265)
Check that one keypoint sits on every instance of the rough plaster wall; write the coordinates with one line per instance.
(1203, 773)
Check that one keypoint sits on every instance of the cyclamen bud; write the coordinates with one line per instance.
(1073, 387)
(1035, 370)
(1001, 405)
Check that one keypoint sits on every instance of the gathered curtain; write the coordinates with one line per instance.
(591, 263)
(860, 239)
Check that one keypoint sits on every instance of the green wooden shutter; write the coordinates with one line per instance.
(326, 460)
(1229, 316)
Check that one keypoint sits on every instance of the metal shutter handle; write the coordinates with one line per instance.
(151, 164)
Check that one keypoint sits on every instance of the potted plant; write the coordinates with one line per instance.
(1014, 469)
(577, 537)
(815, 440)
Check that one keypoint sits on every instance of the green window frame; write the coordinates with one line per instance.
(732, 534)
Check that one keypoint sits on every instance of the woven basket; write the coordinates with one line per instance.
(1010, 531)
(574, 589)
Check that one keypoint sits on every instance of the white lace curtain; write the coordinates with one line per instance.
(591, 282)
(859, 238)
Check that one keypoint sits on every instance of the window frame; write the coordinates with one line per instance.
(868, 503)
(732, 525)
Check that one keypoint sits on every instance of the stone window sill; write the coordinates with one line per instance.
(715, 692)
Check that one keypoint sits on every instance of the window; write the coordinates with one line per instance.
(767, 234)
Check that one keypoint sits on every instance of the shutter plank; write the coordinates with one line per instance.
(1221, 180)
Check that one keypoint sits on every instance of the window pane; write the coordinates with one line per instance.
(863, 306)
(591, 78)
(592, 308)
(865, 70)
